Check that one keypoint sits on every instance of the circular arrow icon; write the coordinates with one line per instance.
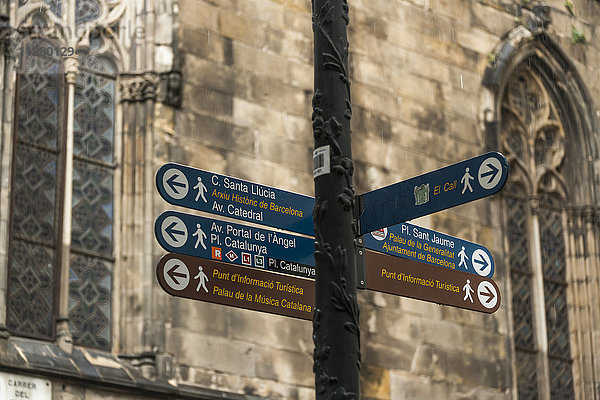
(176, 274)
(175, 183)
(482, 264)
(487, 295)
(174, 232)
(490, 173)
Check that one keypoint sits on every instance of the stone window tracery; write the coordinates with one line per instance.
(533, 140)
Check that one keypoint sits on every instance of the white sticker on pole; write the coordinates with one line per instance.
(321, 161)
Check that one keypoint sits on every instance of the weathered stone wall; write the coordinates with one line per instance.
(416, 70)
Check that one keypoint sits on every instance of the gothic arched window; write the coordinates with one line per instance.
(61, 250)
(533, 139)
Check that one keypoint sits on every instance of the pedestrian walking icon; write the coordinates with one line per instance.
(201, 189)
(466, 181)
(200, 236)
(463, 258)
(468, 290)
(202, 279)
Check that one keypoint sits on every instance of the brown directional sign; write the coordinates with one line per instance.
(422, 281)
(233, 285)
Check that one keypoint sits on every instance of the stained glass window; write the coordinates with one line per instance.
(90, 283)
(38, 193)
(533, 140)
(522, 306)
(33, 241)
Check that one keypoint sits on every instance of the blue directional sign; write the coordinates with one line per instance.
(428, 246)
(236, 244)
(438, 190)
(235, 198)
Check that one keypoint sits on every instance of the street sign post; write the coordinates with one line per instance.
(438, 190)
(220, 283)
(404, 277)
(428, 246)
(235, 198)
(234, 243)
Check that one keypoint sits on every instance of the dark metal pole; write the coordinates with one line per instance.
(336, 332)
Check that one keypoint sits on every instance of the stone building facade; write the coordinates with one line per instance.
(98, 94)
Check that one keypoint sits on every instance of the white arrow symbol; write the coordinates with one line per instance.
(487, 295)
(490, 173)
(482, 264)
(176, 274)
(174, 231)
(175, 183)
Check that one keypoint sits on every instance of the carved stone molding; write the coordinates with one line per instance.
(170, 86)
(536, 18)
(71, 66)
(534, 205)
(138, 86)
(12, 41)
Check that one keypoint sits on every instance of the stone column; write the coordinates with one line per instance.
(138, 94)
(539, 314)
(11, 47)
(65, 340)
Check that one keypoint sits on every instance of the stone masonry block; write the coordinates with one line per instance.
(203, 100)
(205, 130)
(389, 9)
(464, 80)
(370, 150)
(199, 14)
(276, 95)
(289, 154)
(429, 22)
(461, 102)
(374, 382)
(298, 129)
(458, 9)
(421, 65)
(444, 50)
(476, 39)
(199, 317)
(292, 45)
(424, 117)
(391, 326)
(285, 366)
(445, 334)
(299, 21)
(272, 331)
(397, 357)
(405, 387)
(366, 21)
(265, 11)
(238, 27)
(378, 50)
(370, 72)
(205, 44)
(208, 74)
(207, 351)
(251, 59)
(491, 19)
(375, 99)
(256, 117)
